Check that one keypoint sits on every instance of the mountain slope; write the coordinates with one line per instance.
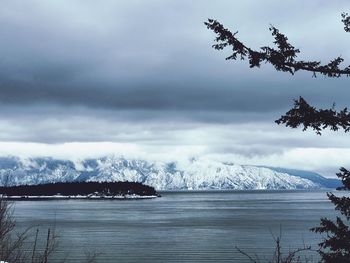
(195, 174)
(312, 176)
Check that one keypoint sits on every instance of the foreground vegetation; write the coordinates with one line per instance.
(22, 247)
(27, 246)
(335, 247)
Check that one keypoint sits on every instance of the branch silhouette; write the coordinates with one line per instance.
(346, 21)
(309, 117)
(335, 246)
(283, 57)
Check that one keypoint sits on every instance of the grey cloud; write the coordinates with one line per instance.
(145, 72)
(137, 56)
(195, 95)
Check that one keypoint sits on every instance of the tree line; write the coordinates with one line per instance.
(79, 188)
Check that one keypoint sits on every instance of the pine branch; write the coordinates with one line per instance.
(282, 58)
(344, 176)
(346, 21)
(317, 119)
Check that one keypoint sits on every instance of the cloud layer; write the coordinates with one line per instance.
(143, 74)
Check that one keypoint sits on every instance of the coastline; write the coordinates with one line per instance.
(79, 197)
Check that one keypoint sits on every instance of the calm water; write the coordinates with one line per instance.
(179, 227)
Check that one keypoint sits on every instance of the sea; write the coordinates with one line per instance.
(187, 226)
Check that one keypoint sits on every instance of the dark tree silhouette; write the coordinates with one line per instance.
(304, 114)
(79, 188)
(284, 58)
(346, 21)
(335, 246)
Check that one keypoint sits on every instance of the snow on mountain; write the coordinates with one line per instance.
(196, 174)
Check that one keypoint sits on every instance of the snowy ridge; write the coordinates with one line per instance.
(196, 174)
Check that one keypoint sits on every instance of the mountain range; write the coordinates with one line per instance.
(194, 174)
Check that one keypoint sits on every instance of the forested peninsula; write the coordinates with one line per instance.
(80, 190)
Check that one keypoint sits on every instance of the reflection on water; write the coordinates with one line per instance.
(181, 226)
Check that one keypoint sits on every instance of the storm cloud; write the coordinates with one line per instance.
(144, 73)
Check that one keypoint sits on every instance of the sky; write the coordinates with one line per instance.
(83, 78)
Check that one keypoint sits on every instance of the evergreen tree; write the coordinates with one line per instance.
(335, 248)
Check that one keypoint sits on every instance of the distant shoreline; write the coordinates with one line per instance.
(95, 197)
(80, 191)
(245, 190)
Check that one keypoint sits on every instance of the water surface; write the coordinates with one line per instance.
(180, 226)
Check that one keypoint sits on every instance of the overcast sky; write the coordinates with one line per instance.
(139, 78)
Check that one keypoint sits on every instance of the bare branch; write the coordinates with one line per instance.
(278, 257)
(247, 255)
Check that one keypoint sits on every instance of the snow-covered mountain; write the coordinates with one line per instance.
(196, 174)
